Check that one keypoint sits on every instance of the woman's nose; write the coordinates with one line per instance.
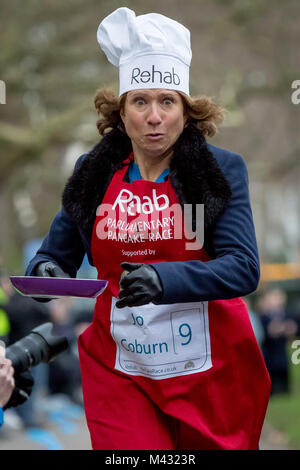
(154, 116)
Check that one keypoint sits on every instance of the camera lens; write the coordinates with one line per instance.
(39, 346)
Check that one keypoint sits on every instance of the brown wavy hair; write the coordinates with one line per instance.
(200, 110)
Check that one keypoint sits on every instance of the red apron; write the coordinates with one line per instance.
(179, 376)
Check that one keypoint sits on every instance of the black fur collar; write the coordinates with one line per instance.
(194, 174)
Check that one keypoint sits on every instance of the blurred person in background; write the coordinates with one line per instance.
(82, 317)
(24, 314)
(5, 290)
(64, 372)
(255, 322)
(279, 328)
(4, 320)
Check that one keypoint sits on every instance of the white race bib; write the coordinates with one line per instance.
(161, 341)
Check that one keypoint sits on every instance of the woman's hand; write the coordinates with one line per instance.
(49, 269)
(140, 286)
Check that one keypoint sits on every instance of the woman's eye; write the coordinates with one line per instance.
(168, 101)
(139, 101)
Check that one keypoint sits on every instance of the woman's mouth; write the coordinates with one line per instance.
(154, 136)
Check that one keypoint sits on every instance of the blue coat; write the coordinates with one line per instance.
(199, 173)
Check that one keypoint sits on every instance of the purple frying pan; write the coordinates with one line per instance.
(34, 286)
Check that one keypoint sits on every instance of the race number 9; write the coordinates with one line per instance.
(185, 331)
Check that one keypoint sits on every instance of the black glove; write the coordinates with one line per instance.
(23, 387)
(140, 286)
(49, 269)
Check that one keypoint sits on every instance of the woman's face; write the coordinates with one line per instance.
(153, 119)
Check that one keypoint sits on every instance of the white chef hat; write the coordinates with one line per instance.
(151, 51)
